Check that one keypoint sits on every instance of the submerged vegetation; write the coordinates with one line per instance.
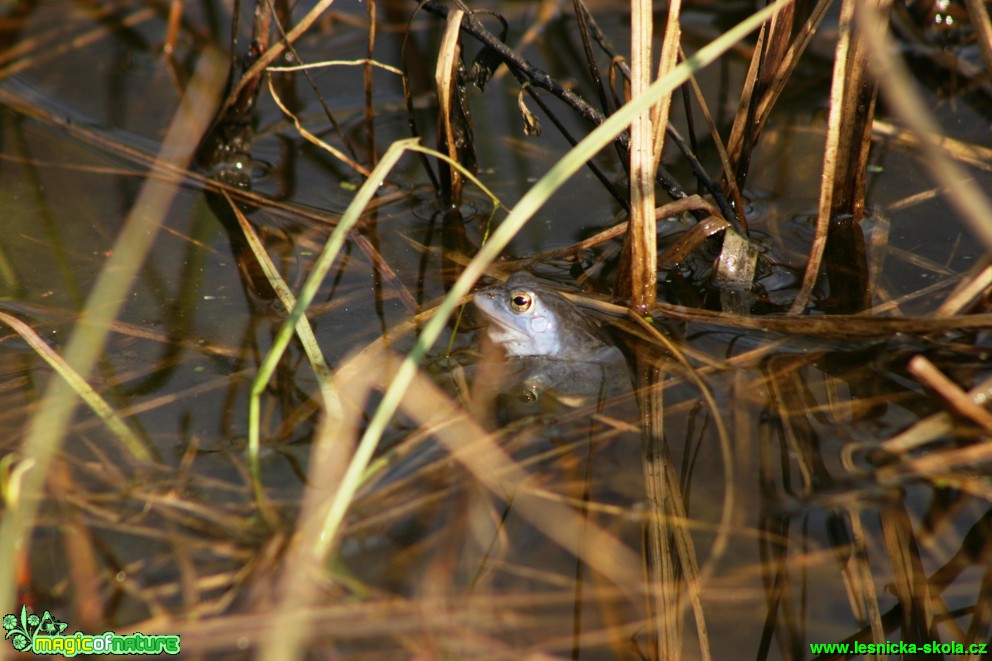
(247, 402)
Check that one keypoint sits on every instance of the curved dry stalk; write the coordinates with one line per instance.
(310, 137)
(359, 62)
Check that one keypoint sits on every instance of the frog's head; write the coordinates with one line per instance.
(523, 317)
(527, 319)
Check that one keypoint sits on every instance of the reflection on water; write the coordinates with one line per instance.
(723, 476)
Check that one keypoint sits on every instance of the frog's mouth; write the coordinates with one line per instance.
(503, 333)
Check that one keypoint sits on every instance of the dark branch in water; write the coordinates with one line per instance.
(527, 73)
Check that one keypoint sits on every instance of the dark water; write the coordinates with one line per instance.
(802, 529)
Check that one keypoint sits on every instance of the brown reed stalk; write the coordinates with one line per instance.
(451, 127)
(641, 246)
(765, 81)
(845, 158)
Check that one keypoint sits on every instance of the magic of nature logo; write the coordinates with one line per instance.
(28, 632)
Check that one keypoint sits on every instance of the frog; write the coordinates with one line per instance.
(527, 319)
(557, 371)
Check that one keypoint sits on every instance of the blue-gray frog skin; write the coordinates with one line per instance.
(526, 319)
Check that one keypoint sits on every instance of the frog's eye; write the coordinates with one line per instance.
(521, 300)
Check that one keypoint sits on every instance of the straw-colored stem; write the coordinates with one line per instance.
(643, 252)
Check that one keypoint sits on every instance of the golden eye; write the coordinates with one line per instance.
(521, 300)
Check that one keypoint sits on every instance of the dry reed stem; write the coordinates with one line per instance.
(752, 113)
(670, 48)
(979, 15)
(838, 326)
(846, 151)
(172, 27)
(864, 579)
(445, 80)
(664, 601)
(938, 465)
(643, 271)
(857, 116)
(726, 166)
(747, 125)
(977, 284)
(666, 210)
(693, 239)
(929, 374)
(935, 426)
(910, 580)
(674, 505)
(741, 140)
(782, 386)
(789, 62)
(974, 155)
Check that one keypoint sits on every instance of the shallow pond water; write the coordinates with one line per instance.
(754, 491)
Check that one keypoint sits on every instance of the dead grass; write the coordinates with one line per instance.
(770, 479)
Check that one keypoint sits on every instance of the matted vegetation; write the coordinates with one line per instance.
(245, 398)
